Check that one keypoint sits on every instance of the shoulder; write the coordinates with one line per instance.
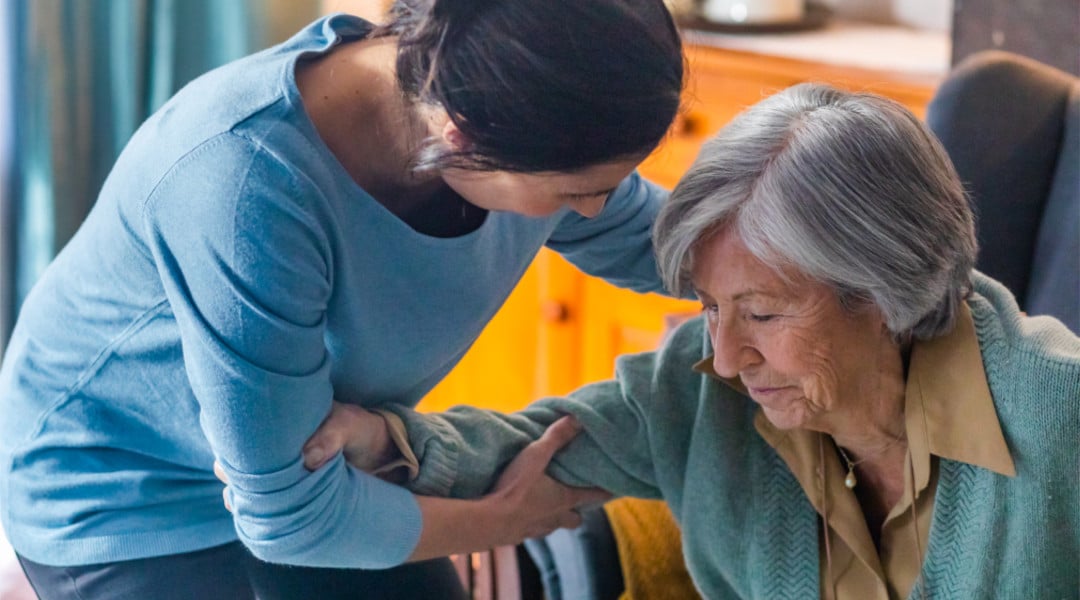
(1032, 366)
(230, 201)
(1007, 334)
(669, 379)
(223, 118)
(225, 172)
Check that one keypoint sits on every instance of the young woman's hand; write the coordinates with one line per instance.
(361, 435)
(534, 503)
(524, 503)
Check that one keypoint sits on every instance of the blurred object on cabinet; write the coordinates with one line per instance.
(753, 11)
(1045, 30)
(282, 18)
(812, 16)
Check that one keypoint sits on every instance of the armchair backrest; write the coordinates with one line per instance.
(1012, 127)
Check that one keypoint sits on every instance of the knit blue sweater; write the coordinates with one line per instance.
(230, 282)
(662, 430)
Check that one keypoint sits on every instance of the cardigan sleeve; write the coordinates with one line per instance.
(462, 451)
(616, 245)
(242, 248)
(634, 439)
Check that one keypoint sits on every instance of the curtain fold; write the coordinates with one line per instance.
(84, 75)
(7, 170)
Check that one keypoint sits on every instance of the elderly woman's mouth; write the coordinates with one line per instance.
(769, 395)
(765, 390)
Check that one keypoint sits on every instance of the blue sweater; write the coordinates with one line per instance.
(662, 430)
(230, 281)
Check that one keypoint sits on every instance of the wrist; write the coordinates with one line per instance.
(500, 518)
(384, 451)
(394, 457)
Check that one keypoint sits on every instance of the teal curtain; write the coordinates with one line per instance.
(83, 75)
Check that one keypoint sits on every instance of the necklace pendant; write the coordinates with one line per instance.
(850, 480)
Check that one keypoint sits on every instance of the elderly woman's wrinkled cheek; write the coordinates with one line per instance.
(824, 368)
(809, 356)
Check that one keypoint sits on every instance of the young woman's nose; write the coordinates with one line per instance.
(589, 207)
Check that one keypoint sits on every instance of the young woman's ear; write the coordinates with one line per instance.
(453, 137)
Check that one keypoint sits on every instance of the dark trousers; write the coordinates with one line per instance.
(230, 572)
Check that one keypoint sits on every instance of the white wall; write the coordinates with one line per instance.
(922, 14)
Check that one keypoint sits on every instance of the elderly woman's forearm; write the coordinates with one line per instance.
(460, 452)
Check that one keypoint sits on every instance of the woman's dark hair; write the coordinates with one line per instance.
(541, 85)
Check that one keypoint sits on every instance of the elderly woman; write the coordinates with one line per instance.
(857, 414)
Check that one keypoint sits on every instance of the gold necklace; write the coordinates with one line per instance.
(850, 481)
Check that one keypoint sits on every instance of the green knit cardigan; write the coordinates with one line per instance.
(661, 430)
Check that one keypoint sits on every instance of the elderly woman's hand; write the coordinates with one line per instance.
(360, 434)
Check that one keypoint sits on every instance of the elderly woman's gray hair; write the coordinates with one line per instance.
(848, 189)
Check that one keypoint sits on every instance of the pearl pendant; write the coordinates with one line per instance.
(850, 480)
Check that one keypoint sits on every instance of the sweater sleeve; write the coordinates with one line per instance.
(243, 249)
(616, 245)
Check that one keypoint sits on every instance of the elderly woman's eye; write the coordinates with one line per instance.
(710, 309)
(761, 318)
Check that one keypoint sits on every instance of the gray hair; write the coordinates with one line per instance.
(849, 189)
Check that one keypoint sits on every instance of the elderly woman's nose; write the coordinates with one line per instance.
(729, 352)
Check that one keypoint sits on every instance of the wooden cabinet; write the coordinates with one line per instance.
(561, 329)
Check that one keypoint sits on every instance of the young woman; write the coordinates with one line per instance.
(334, 218)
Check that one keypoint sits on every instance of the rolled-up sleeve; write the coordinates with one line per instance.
(244, 250)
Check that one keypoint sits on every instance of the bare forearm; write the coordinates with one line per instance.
(454, 526)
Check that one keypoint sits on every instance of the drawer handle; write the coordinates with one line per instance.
(554, 311)
(689, 125)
